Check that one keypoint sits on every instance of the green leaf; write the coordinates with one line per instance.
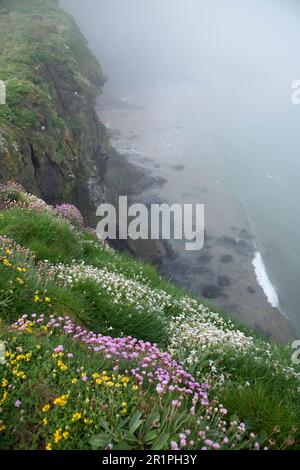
(150, 436)
(99, 441)
(122, 446)
(104, 424)
(154, 416)
(161, 441)
(135, 422)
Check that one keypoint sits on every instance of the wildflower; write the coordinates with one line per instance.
(48, 446)
(61, 365)
(74, 381)
(174, 445)
(182, 443)
(18, 403)
(58, 435)
(216, 446)
(88, 421)
(76, 417)
(4, 397)
(61, 401)
(46, 408)
(58, 349)
(2, 427)
(45, 421)
(4, 383)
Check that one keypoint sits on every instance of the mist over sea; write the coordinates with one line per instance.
(199, 92)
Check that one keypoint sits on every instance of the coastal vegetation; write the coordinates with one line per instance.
(102, 353)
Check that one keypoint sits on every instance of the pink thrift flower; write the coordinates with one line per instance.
(174, 445)
(59, 349)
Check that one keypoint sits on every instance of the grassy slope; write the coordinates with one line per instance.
(255, 383)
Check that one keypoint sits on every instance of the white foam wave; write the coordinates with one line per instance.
(264, 280)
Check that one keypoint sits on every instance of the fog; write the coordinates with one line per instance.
(151, 40)
(220, 72)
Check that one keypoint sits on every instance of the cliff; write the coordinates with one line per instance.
(51, 140)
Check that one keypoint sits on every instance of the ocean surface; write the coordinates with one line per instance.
(156, 128)
(224, 132)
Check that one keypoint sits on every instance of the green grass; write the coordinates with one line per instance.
(42, 233)
(258, 391)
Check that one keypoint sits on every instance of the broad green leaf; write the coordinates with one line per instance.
(150, 436)
(161, 441)
(122, 446)
(99, 441)
(135, 422)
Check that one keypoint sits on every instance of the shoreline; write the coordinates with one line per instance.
(222, 273)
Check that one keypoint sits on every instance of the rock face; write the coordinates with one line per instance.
(51, 140)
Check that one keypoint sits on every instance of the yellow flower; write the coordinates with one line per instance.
(76, 417)
(20, 281)
(61, 365)
(65, 435)
(88, 421)
(124, 404)
(58, 435)
(2, 427)
(124, 411)
(4, 397)
(8, 251)
(48, 446)
(47, 299)
(6, 262)
(110, 384)
(21, 375)
(125, 380)
(45, 421)
(135, 387)
(46, 408)
(74, 381)
(28, 356)
(4, 383)
(61, 401)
